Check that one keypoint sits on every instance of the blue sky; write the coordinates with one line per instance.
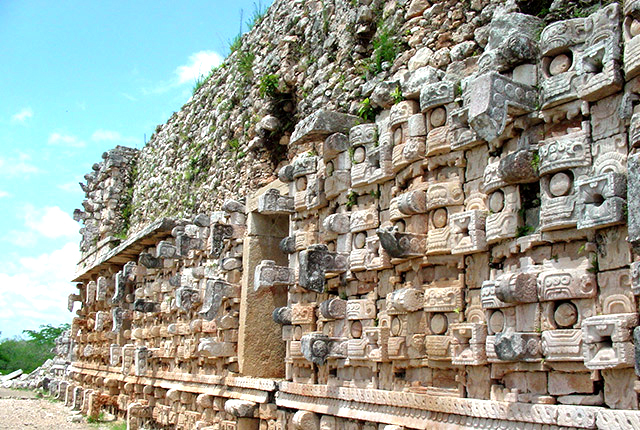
(76, 79)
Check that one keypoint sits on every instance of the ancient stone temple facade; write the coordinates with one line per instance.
(468, 256)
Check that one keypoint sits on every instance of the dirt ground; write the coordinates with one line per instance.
(23, 410)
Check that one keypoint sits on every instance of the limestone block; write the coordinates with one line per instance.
(90, 295)
(618, 390)
(468, 345)
(315, 347)
(404, 152)
(141, 356)
(635, 277)
(402, 245)
(315, 262)
(565, 151)
(518, 287)
(518, 167)
(220, 234)
(510, 345)
(165, 249)
(416, 126)
(119, 315)
(512, 41)
(361, 309)
(334, 308)
(240, 408)
(607, 341)
(187, 298)
(491, 179)
(302, 314)
(336, 181)
(211, 347)
(269, 275)
(418, 79)
(320, 124)
(437, 94)
(633, 200)
(577, 61)
(140, 305)
(101, 289)
(602, 201)
(468, 232)
(489, 298)
(636, 342)
(438, 347)
(562, 345)
(272, 203)
(562, 383)
(337, 223)
(442, 194)
(305, 420)
(616, 294)
(372, 346)
(605, 118)
(559, 200)
(404, 300)
(186, 243)
(372, 162)
(334, 145)
(412, 202)
(216, 290)
(492, 99)
(149, 261)
(504, 222)
(566, 279)
(282, 315)
(71, 300)
(460, 135)
(115, 355)
(631, 42)
(444, 296)
(613, 250)
(364, 219)
(304, 165)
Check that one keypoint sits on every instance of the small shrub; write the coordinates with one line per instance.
(352, 200)
(235, 43)
(396, 95)
(268, 85)
(245, 63)
(199, 83)
(385, 48)
(259, 11)
(524, 230)
(535, 161)
(366, 111)
(234, 145)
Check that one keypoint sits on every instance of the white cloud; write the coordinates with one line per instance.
(60, 139)
(51, 222)
(35, 292)
(23, 115)
(129, 97)
(4, 194)
(17, 166)
(112, 136)
(70, 187)
(200, 64)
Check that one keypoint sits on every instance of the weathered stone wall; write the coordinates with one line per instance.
(462, 255)
(229, 139)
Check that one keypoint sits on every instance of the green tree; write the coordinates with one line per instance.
(47, 333)
(31, 353)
